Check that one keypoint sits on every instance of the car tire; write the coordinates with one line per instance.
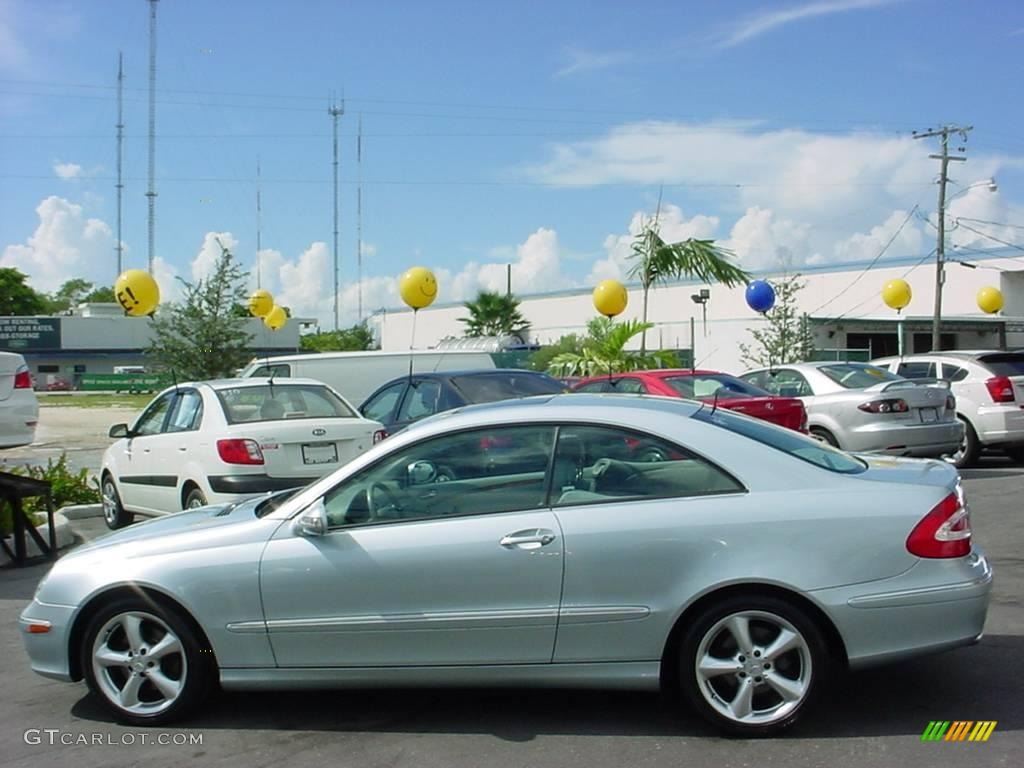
(763, 688)
(969, 449)
(114, 513)
(144, 661)
(824, 435)
(195, 499)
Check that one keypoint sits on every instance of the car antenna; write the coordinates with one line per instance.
(714, 405)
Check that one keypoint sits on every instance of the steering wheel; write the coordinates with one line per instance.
(444, 474)
(384, 504)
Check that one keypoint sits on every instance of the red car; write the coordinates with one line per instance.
(731, 392)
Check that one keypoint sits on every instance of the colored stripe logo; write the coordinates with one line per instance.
(959, 730)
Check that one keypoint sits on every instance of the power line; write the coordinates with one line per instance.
(992, 237)
(986, 221)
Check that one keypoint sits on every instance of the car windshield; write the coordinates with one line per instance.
(270, 402)
(858, 375)
(1006, 364)
(274, 501)
(492, 387)
(786, 440)
(714, 385)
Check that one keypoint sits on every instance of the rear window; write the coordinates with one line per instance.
(1006, 364)
(273, 402)
(857, 375)
(711, 385)
(786, 440)
(493, 387)
(277, 370)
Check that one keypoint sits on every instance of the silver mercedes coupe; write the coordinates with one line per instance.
(535, 543)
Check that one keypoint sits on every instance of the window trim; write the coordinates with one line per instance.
(200, 412)
(389, 417)
(169, 396)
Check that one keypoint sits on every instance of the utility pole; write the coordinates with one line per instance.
(940, 249)
(120, 139)
(259, 280)
(336, 111)
(151, 190)
(359, 218)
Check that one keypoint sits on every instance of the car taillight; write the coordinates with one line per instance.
(950, 403)
(239, 451)
(22, 379)
(803, 419)
(943, 532)
(379, 435)
(1001, 389)
(885, 406)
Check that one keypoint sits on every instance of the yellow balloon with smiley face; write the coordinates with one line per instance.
(137, 292)
(260, 303)
(418, 287)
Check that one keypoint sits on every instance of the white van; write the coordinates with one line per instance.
(356, 375)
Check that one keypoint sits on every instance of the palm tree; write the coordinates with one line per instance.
(604, 351)
(658, 262)
(494, 314)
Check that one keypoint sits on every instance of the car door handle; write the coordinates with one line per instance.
(528, 539)
(182, 448)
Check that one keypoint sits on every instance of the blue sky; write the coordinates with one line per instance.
(531, 133)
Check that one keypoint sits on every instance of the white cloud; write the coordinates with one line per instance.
(757, 24)
(581, 61)
(761, 240)
(166, 276)
(67, 170)
(910, 240)
(65, 244)
(206, 259)
(14, 56)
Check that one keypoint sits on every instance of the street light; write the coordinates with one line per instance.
(940, 250)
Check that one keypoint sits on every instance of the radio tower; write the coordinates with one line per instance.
(120, 138)
(151, 190)
(359, 218)
(259, 282)
(336, 111)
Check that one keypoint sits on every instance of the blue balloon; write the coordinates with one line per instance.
(760, 296)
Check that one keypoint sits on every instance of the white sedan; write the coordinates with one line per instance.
(19, 409)
(219, 441)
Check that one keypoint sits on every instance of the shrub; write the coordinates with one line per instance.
(66, 486)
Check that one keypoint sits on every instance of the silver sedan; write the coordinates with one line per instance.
(535, 543)
(860, 407)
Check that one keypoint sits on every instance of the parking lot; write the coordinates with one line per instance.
(866, 719)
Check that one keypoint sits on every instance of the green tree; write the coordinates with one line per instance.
(494, 314)
(69, 295)
(604, 351)
(102, 295)
(354, 339)
(787, 337)
(656, 262)
(17, 297)
(201, 337)
(539, 360)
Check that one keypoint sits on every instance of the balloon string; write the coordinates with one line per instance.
(412, 341)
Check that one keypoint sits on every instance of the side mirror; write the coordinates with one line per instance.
(119, 430)
(421, 472)
(312, 521)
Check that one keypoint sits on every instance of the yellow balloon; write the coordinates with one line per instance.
(260, 303)
(276, 318)
(137, 292)
(990, 300)
(418, 287)
(610, 298)
(896, 294)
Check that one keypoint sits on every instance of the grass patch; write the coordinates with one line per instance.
(98, 400)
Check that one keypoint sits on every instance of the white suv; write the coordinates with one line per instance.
(19, 409)
(989, 390)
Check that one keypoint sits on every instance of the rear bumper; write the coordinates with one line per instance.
(906, 439)
(19, 415)
(934, 606)
(1000, 424)
(247, 485)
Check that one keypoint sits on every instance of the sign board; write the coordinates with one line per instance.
(1014, 327)
(29, 333)
(123, 382)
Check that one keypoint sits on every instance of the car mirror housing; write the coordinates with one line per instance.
(119, 430)
(421, 472)
(312, 521)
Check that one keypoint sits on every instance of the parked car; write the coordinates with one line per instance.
(356, 374)
(736, 571)
(59, 385)
(710, 387)
(989, 390)
(223, 440)
(19, 408)
(404, 400)
(861, 407)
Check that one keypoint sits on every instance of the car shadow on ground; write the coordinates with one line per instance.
(977, 683)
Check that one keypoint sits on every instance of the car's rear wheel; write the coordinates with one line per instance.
(145, 662)
(824, 435)
(753, 665)
(969, 448)
(195, 499)
(114, 514)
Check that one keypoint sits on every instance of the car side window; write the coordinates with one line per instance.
(952, 372)
(382, 405)
(789, 383)
(187, 413)
(151, 421)
(594, 386)
(477, 472)
(420, 401)
(758, 379)
(277, 370)
(916, 369)
(628, 385)
(596, 465)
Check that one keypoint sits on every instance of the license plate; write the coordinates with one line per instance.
(319, 453)
(929, 414)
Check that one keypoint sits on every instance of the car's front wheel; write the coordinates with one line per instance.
(753, 665)
(114, 514)
(145, 662)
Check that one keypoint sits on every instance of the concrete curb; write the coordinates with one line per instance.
(81, 511)
(65, 537)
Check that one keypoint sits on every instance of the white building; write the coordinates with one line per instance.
(843, 303)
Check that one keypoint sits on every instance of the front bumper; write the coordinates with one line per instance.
(48, 652)
(933, 606)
